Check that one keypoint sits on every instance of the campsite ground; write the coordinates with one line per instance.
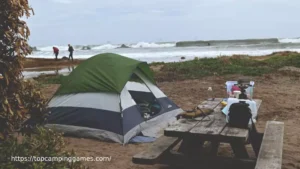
(281, 101)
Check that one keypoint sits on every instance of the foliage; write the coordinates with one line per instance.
(157, 63)
(19, 99)
(13, 49)
(243, 65)
(49, 79)
(45, 143)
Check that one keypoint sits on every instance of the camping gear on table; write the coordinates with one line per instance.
(252, 106)
(196, 112)
(236, 94)
(235, 88)
(103, 99)
(210, 94)
(223, 103)
(249, 90)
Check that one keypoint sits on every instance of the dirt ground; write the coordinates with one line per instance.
(49, 63)
(281, 101)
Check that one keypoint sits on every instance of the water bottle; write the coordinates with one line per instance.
(210, 94)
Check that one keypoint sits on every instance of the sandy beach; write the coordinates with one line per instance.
(278, 91)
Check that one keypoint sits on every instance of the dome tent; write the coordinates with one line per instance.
(106, 98)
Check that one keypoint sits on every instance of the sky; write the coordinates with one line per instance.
(87, 22)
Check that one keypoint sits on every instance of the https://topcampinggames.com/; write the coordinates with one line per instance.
(60, 159)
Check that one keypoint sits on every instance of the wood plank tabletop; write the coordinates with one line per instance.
(211, 127)
(182, 127)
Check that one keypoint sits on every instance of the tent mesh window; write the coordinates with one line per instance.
(146, 101)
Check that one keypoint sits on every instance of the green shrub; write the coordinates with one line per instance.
(224, 65)
(49, 79)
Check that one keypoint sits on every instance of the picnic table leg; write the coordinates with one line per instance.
(214, 148)
(191, 146)
(256, 140)
(239, 149)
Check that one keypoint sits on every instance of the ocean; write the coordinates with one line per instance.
(173, 51)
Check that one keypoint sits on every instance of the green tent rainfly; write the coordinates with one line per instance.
(92, 75)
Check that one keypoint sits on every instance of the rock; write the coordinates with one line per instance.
(124, 46)
(182, 57)
(34, 48)
(64, 58)
(86, 48)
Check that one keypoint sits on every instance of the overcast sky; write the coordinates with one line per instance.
(59, 22)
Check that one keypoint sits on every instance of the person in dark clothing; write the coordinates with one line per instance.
(71, 50)
(56, 52)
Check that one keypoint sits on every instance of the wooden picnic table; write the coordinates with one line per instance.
(190, 134)
(212, 128)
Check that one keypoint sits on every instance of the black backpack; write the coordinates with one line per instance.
(239, 115)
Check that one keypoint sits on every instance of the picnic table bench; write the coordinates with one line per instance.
(193, 133)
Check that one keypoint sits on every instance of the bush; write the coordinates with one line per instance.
(20, 100)
(49, 79)
(244, 65)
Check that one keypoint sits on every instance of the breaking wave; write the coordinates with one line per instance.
(109, 46)
(221, 43)
(50, 48)
(152, 45)
(287, 40)
(105, 47)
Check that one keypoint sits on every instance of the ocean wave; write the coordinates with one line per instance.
(138, 45)
(50, 48)
(108, 46)
(226, 42)
(174, 56)
(290, 40)
(274, 42)
(152, 45)
(105, 47)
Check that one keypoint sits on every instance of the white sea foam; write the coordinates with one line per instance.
(287, 40)
(153, 45)
(105, 47)
(110, 46)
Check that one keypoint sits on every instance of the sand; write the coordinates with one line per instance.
(281, 101)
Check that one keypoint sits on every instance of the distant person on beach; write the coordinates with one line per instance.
(56, 52)
(71, 50)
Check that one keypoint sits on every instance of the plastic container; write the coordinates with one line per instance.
(210, 94)
(237, 94)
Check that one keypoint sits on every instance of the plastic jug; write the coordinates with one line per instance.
(210, 94)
